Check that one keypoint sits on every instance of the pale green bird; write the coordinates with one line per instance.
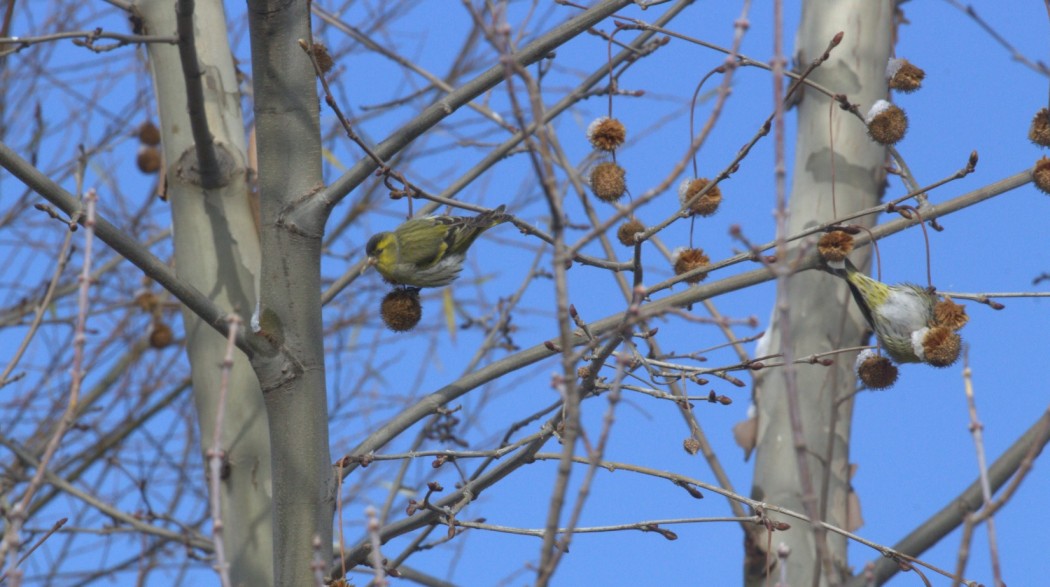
(899, 314)
(429, 251)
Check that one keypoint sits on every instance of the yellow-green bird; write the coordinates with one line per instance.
(899, 314)
(429, 251)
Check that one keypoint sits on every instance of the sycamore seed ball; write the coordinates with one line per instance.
(148, 159)
(903, 76)
(949, 314)
(877, 372)
(627, 231)
(1039, 132)
(160, 335)
(705, 205)
(941, 346)
(835, 246)
(1041, 175)
(886, 122)
(688, 259)
(608, 181)
(401, 309)
(149, 134)
(606, 134)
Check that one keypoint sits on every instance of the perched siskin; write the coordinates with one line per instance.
(899, 314)
(429, 251)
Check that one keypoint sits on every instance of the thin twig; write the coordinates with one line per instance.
(977, 430)
(217, 455)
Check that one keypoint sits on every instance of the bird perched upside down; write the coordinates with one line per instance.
(429, 251)
(897, 313)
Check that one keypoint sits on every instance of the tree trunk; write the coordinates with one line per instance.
(217, 251)
(857, 69)
(291, 368)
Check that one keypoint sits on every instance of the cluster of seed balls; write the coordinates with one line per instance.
(608, 181)
(148, 159)
(887, 123)
(1039, 133)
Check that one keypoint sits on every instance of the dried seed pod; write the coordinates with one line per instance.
(606, 134)
(160, 335)
(941, 346)
(686, 260)
(148, 159)
(401, 309)
(149, 134)
(147, 301)
(835, 246)
(877, 372)
(1039, 132)
(1041, 175)
(705, 205)
(627, 231)
(608, 181)
(949, 314)
(903, 76)
(886, 122)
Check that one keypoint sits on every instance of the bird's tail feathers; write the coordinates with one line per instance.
(467, 229)
(490, 218)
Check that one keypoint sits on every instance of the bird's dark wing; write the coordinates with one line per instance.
(420, 244)
(463, 231)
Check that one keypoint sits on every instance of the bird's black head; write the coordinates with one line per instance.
(372, 249)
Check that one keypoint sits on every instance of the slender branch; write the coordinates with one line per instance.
(203, 139)
(217, 457)
(86, 39)
(977, 430)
